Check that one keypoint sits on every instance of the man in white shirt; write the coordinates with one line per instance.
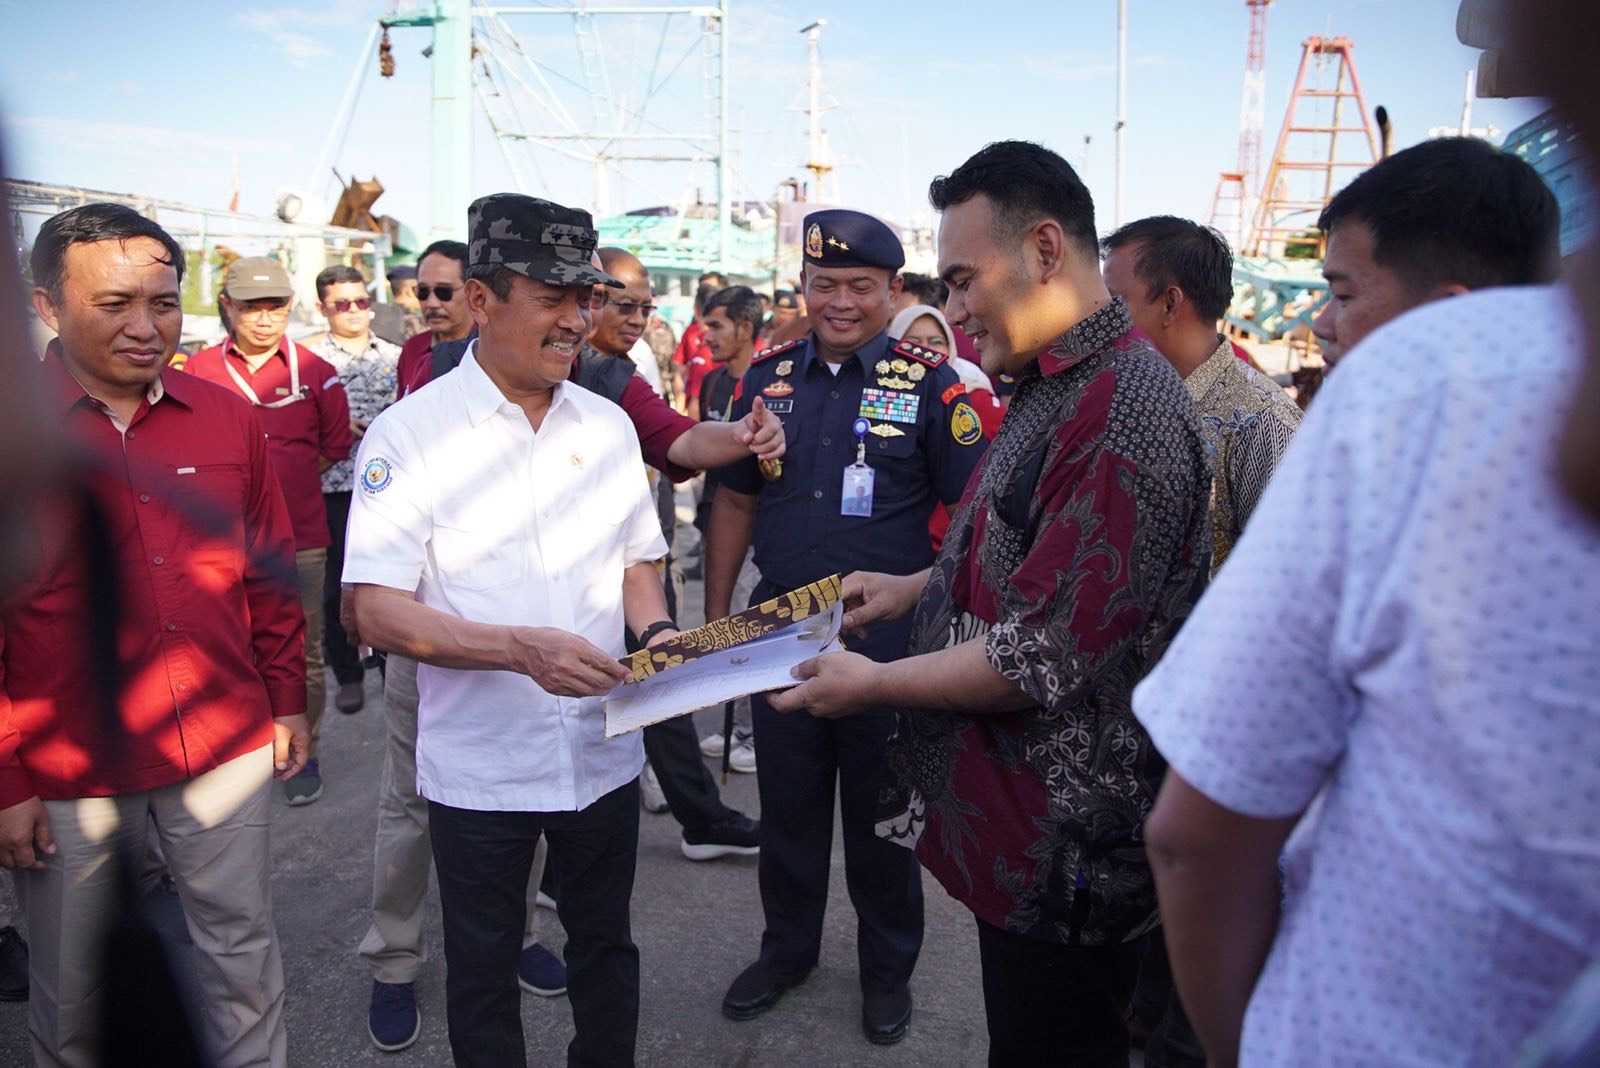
(1400, 664)
(502, 535)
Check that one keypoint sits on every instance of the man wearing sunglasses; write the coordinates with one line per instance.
(302, 406)
(441, 277)
(620, 316)
(366, 366)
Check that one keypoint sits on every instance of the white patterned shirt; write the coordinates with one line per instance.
(462, 501)
(1408, 634)
(1248, 421)
(368, 379)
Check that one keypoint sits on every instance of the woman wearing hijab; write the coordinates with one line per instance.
(925, 325)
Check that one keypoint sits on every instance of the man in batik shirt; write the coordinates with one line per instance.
(1078, 547)
(1176, 277)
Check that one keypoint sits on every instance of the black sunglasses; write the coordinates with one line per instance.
(444, 293)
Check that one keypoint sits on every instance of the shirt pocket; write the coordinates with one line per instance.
(476, 561)
(206, 507)
(898, 470)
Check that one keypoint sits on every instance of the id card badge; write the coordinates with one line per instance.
(856, 496)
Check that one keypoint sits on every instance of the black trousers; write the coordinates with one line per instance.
(482, 860)
(802, 761)
(1050, 1004)
(673, 749)
(343, 657)
(1172, 1042)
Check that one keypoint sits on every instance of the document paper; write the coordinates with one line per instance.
(673, 683)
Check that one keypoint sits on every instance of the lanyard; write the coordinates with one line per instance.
(296, 393)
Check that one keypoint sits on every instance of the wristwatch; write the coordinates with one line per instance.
(653, 629)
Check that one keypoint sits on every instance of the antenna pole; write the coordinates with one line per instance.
(1122, 109)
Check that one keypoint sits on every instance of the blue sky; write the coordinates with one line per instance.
(166, 98)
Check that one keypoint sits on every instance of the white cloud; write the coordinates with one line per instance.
(46, 133)
(298, 48)
(286, 27)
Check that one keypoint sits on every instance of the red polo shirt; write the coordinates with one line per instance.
(211, 636)
(300, 434)
(694, 353)
(415, 366)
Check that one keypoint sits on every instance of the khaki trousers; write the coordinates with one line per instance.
(214, 833)
(403, 854)
(312, 566)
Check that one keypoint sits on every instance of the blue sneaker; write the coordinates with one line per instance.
(541, 972)
(306, 786)
(393, 1020)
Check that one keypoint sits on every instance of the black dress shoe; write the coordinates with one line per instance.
(13, 966)
(757, 989)
(885, 1017)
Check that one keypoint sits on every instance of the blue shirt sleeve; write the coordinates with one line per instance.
(953, 437)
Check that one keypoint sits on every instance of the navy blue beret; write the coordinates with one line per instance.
(841, 238)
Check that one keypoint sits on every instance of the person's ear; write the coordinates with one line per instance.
(1171, 300)
(477, 294)
(46, 309)
(897, 285)
(1047, 247)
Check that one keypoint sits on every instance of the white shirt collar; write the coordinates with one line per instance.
(484, 398)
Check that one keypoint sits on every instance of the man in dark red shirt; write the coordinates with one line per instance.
(301, 404)
(1078, 548)
(441, 281)
(694, 353)
(209, 679)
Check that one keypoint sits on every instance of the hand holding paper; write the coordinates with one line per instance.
(831, 686)
(750, 652)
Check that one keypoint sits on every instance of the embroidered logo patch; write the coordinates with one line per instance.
(952, 393)
(964, 424)
(376, 476)
(814, 242)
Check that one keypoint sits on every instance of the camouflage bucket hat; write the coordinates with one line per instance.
(538, 239)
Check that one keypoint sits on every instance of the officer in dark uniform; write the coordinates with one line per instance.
(877, 433)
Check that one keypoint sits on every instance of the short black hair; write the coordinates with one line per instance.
(1455, 210)
(704, 293)
(1025, 182)
(498, 277)
(705, 278)
(1178, 252)
(88, 223)
(926, 289)
(337, 275)
(740, 304)
(455, 250)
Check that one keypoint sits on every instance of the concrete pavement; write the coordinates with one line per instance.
(697, 925)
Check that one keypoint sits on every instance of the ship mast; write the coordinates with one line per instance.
(817, 163)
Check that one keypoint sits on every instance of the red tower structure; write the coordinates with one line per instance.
(1234, 198)
(1312, 152)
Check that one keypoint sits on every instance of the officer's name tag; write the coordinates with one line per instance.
(779, 405)
(857, 497)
